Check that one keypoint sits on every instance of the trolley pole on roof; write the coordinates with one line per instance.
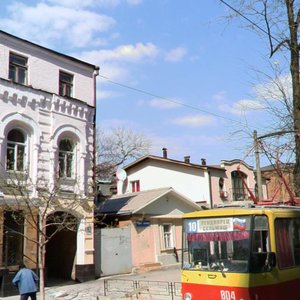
(258, 171)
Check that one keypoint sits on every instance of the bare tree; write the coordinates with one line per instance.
(44, 211)
(278, 22)
(118, 146)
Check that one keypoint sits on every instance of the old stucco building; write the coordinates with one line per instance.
(47, 124)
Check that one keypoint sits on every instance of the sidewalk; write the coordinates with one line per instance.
(92, 289)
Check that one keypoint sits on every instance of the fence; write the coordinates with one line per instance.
(164, 290)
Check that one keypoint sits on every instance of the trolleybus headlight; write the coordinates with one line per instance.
(187, 296)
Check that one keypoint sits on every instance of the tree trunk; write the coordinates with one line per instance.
(42, 274)
(42, 257)
(294, 69)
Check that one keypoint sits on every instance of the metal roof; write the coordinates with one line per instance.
(134, 202)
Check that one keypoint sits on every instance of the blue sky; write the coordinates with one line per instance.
(174, 70)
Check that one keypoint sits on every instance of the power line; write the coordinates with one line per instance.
(252, 22)
(172, 101)
(188, 105)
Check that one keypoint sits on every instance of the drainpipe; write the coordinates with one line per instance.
(96, 73)
(210, 190)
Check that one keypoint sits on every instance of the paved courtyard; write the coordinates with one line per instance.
(94, 290)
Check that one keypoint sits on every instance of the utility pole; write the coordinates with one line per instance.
(258, 171)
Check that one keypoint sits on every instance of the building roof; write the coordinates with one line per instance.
(284, 167)
(236, 162)
(8, 35)
(172, 161)
(132, 203)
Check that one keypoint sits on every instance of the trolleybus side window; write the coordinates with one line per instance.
(260, 241)
(287, 231)
(260, 245)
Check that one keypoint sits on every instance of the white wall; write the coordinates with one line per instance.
(190, 182)
(44, 66)
(45, 116)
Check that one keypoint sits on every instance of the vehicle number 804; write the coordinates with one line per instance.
(227, 295)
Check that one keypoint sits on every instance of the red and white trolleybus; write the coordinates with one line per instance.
(240, 253)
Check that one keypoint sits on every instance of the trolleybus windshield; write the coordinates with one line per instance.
(222, 243)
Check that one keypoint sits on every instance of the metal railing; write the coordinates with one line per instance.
(164, 290)
(240, 194)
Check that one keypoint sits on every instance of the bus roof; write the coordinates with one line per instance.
(243, 210)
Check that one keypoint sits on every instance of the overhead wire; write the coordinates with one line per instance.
(188, 105)
(173, 101)
(252, 22)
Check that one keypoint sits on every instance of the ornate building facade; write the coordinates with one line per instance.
(47, 129)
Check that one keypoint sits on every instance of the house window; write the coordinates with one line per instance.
(66, 158)
(239, 191)
(13, 224)
(17, 68)
(65, 84)
(16, 151)
(135, 186)
(167, 235)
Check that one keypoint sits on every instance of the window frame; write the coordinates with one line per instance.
(14, 241)
(15, 68)
(239, 192)
(167, 237)
(15, 147)
(64, 160)
(135, 186)
(65, 86)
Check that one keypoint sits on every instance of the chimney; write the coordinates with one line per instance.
(203, 161)
(165, 152)
(187, 159)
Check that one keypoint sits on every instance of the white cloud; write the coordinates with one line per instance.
(276, 89)
(176, 54)
(187, 144)
(241, 107)
(90, 3)
(48, 25)
(247, 105)
(77, 3)
(129, 53)
(114, 63)
(164, 104)
(194, 121)
(106, 94)
(113, 72)
(134, 2)
(221, 95)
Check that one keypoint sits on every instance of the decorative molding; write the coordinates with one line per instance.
(27, 97)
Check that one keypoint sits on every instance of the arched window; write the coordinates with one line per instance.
(239, 191)
(16, 151)
(66, 158)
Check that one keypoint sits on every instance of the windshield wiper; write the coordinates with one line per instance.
(218, 266)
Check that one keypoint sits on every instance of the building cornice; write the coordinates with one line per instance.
(23, 97)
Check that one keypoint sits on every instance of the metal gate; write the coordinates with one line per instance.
(112, 251)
